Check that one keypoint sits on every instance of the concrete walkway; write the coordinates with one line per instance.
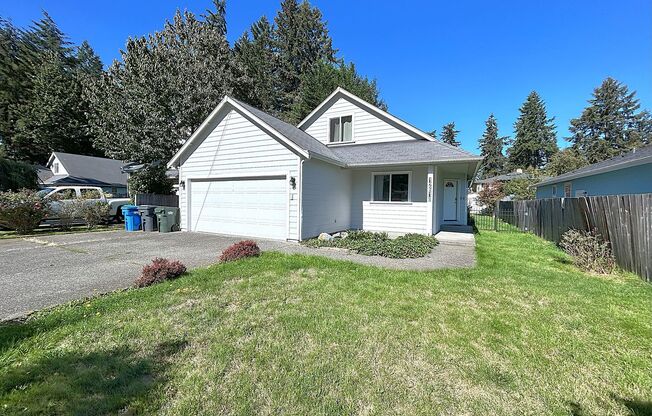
(51, 270)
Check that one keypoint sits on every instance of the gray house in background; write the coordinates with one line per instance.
(67, 169)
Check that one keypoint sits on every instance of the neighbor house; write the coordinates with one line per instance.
(67, 169)
(347, 165)
(629, 173)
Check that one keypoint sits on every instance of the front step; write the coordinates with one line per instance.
(456, 228)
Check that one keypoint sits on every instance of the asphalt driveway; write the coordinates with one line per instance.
(40, 272)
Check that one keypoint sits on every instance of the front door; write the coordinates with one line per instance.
(450, 200)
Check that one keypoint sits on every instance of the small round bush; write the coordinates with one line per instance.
(159, 270)
(240, 250)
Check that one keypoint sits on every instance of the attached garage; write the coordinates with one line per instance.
(252, 207)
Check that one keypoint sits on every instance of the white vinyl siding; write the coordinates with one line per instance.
(238, 148)
(366, 128)
(395, 218)
(326, 195)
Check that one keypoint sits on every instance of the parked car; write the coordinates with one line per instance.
(63, 195)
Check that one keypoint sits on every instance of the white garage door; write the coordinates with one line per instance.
(247, 207)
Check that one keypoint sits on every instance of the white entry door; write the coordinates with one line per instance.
(450, 200)
(247, 207)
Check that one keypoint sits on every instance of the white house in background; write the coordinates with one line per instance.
(347, 165)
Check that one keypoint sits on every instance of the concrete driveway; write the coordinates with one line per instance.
(47, 271)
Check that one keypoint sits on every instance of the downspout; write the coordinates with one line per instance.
(300, 198)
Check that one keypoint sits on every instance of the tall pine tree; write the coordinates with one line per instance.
(611, 124)
(535, 140)
(491, 149)
(41, 106)
(149, 103)
(323, 79)
(449, 134)
(257, 67)
(301, 42)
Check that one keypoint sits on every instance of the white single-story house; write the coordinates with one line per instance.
(347, 165)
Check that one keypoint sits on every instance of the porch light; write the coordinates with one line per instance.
(182, 185)
(293, 182)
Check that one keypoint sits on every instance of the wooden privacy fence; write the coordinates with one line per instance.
(156, 199)
(623, 220)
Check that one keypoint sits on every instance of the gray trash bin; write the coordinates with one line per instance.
(148, 217)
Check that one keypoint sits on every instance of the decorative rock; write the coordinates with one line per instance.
(344, 234)
(325, 237)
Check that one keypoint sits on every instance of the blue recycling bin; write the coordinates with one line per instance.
(132, 217)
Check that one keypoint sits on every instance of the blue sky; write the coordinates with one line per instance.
(435, 62)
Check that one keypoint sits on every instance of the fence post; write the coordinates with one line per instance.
(496, 216)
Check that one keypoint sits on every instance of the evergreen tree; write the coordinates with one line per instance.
(146, 106)
(256, 67)
(52, 119)
(535, 139)
(13, 83)
(87, 62)
(323, 79)
(449, 134)
(491, 149)
(611, 124)
(301, 41)
(41, 108)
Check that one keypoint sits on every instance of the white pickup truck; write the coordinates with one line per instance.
(62, 195)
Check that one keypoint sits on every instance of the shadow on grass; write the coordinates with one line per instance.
(635, 407)
(99, 382)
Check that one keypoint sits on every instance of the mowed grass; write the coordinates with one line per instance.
(522, 333)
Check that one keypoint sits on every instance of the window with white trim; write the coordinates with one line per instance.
(341, 129)
(391, 187)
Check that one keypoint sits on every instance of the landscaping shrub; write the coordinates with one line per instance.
(159, 270)
(94, 213)
(589, 251)
(379, 244)
(22, 211)
(69, 212)
(240, 250)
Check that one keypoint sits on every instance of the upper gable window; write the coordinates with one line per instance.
(55, 167)
(341, 129)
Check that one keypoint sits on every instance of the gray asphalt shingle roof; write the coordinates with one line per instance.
(644, 152)
(85, 170)
(357, 155)
(408, 151)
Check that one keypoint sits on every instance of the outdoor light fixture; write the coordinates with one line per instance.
(293, 182)
(182, 185)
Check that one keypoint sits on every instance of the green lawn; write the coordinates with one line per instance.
(523, 333)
